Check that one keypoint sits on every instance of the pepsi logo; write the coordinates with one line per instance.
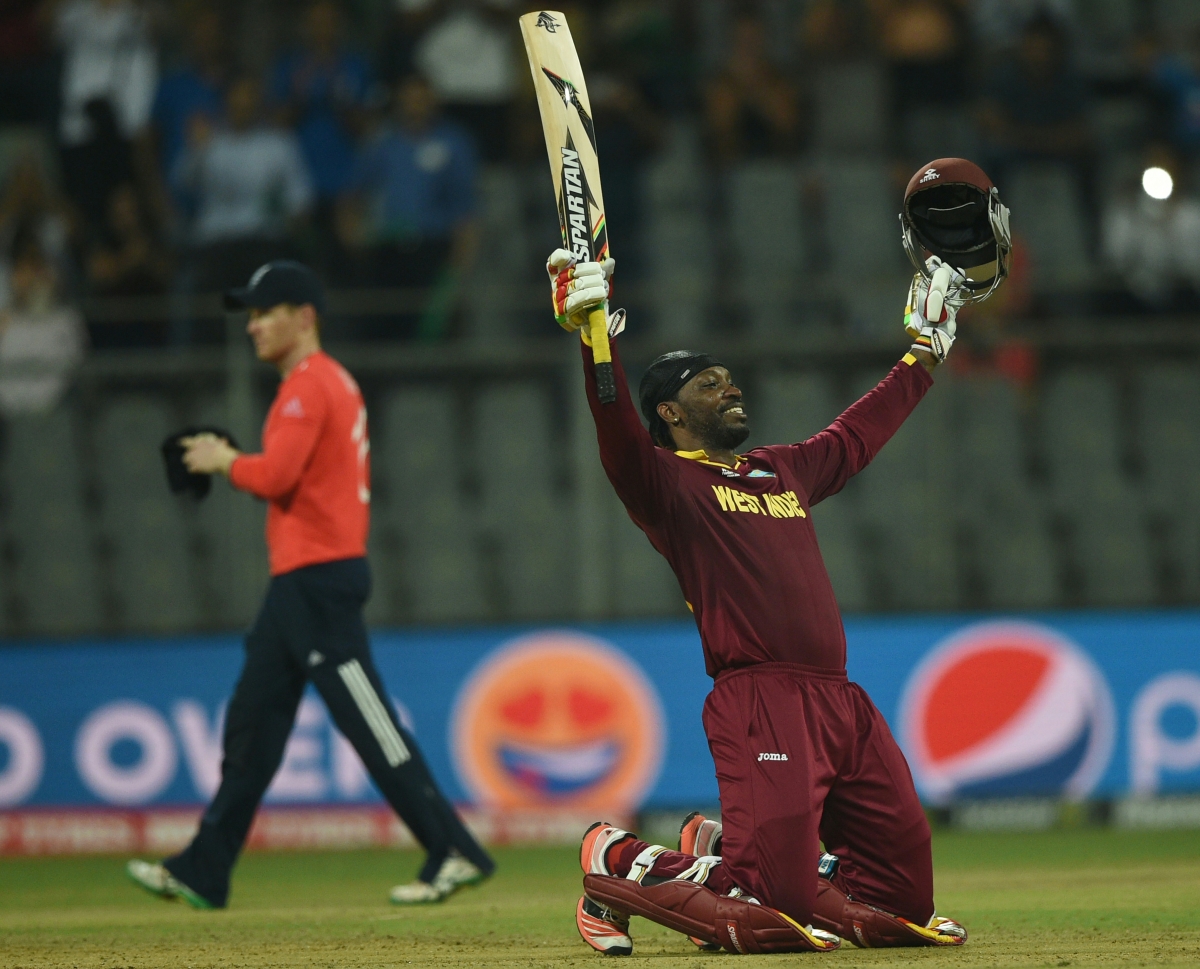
(1007, 708)
(558, 719)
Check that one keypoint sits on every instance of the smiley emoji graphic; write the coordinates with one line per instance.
(558, 719)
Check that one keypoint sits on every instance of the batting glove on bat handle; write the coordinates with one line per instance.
(577, 288)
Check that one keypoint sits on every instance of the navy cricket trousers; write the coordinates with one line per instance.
(310, 628)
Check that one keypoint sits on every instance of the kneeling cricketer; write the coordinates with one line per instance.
(803, 757)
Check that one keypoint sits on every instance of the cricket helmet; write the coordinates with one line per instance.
(953, 211)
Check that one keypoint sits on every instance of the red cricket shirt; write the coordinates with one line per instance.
(315, 467)
(741, 541)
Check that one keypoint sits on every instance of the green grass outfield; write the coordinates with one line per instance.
(1065, 898)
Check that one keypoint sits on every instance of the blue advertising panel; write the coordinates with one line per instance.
(608, 715)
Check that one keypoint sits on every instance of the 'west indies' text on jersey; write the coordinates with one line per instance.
(315, 467)
(741, 541)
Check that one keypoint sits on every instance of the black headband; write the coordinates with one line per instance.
(663, 379)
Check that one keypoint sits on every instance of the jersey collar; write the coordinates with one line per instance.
(701, 457)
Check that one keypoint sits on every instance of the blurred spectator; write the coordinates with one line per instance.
(27, 74)
(1154, 242)
(321, 90)
(1177, 77)
(126, 259)
(470, 58)
(197, 87)
(647, 42)
(997, 24)
(109, 74)
(29, 203)
(1035, 109)
(832, 30)
(250, 188)
(752, 110)
(1035, 104)
(923, 42)
(41, 339)
(632, 131)
(397, 54)
(413, 207)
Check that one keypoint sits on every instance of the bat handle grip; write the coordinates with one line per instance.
(606, 384)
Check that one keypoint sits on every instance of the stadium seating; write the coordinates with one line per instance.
(425, 541)
(1052, 224)
(901, 539)
(862, 231)
(1176, 17)
(1168, 410)
(524, 526)
(227, 538)
(677, 221)
(643, 585)
(54, 578)
(144, 527)
(789, 408)
(851, 107)
(937, 131)
(1081, 431)
(991, 498)
(502, 236)
(765, 233)
(1086, 492)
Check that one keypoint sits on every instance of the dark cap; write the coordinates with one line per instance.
(663, 379)
(279, 281)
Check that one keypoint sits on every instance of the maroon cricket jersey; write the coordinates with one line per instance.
(741, 541)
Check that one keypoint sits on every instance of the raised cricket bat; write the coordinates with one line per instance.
(574, 168)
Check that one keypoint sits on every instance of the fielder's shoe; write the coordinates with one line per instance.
(603, 929)
(593, 850)
(456, 872)
(158, 881)
(700, 836)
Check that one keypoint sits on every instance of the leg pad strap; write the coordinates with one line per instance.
(734, 924)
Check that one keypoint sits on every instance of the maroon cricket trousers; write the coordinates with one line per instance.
(803, 756)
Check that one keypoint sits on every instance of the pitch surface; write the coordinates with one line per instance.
(1070, 898)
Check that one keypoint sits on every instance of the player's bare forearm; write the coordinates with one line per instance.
(925, 359)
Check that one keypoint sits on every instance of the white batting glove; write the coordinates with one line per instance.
(578, 287)
(933, 305)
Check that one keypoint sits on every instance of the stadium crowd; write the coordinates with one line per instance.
(167, 147)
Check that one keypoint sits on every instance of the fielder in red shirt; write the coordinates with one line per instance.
(802, 755)
(315, 473)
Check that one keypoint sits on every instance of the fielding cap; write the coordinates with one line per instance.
(279, 281)
(663, 379)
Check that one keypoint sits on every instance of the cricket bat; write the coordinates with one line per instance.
(574, 168)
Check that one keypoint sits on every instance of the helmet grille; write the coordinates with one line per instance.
(951, 221)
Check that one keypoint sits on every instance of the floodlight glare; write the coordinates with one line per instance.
(1157, 183)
